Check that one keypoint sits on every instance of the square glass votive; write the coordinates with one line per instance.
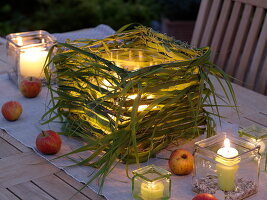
(151, 183)
(255, 134)
(226, 166)
(27, 53)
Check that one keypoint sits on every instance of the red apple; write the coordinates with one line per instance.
(30, 87)
(181, 162)
(204, 196)
(48, 142)
(11, 110)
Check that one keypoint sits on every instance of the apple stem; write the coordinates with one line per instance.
(184, 156)
(43, 133)
(31, 78)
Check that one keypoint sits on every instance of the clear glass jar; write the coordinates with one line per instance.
(255, 134)
(233, 177)
(27, 53)
(151, 183)
(134, 59)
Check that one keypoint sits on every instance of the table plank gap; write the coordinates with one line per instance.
(263, 113)
(5, 194)
(258, 118)
(6, 149)
(43, 190)
(23, 167)
(12, 141)
(256, 122)
(17, 197)
(78, 185)
(63, 191)
(30, 191)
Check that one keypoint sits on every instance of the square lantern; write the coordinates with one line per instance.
(133, 93)
(27, 53)
(227, 166)
(151, 183)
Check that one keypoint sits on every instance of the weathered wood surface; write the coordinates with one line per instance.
(26, 176)
(236, 31)
(252, 107)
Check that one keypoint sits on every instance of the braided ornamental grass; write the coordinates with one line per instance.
(131, 94)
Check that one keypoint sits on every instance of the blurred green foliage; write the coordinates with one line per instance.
(67, 15)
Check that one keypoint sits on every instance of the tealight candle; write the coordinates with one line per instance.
(152, 190)
(151, 183)
(226, 169)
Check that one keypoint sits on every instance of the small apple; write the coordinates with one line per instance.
(11, 110)
(204, 196)
(30, 87)
(181, 162)
(48, 142)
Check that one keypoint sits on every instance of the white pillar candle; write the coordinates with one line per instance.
(226, 169)
(32, 61)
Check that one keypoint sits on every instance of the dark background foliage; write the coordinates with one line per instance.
(66, 15)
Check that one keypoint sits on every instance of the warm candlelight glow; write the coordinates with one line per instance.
(19, 41)
(32, 61)
(27, 53)
(141, 107)
(227, 151)
(151, 183)
(226, 169)
(133, 96)
(152, 190)
(227, 143)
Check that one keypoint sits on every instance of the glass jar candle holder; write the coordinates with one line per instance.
(258, 135)
(27, 53)
(226, 166)
(255, 134)
(151, 183)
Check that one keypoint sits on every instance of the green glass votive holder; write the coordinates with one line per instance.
(151, 183)
(257, 135)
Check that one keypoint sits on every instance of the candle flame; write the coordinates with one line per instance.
(227, 143)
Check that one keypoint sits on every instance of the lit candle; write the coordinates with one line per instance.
(226, 169)
(141, 107)
(152, 190)
(32, 61)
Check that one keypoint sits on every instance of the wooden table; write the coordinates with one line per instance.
(25, 175)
